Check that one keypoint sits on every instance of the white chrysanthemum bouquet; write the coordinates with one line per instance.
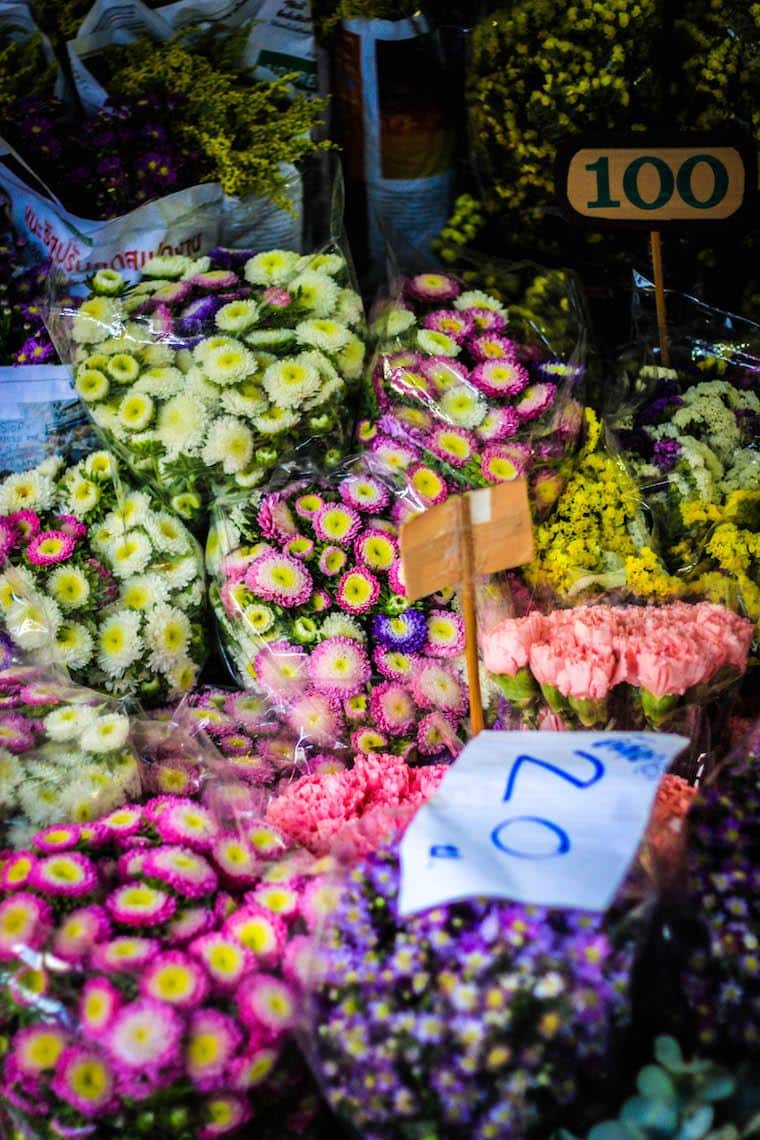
(101, 579)
(205, 375)
(65, 755)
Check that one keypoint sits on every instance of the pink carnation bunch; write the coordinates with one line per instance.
(170, 987)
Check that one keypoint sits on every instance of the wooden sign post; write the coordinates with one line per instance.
(480, 532)
(656, 182)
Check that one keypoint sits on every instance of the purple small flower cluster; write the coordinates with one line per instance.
(153, 962)
(465, 397)
(473, 1021)
(126, 154)
(23, 337)
(721, 978)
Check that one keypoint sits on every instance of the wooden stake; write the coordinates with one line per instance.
(655, 238)
(469, 615)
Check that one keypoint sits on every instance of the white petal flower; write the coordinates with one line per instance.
(315, 292)
(171, 267)
(143, 592)
(321, 332)
(274, 339)
(91, 384)
(27, 490)
(237, 316)
(119, 643)
(180, 573)
(167, 533)
(289, 382)
(230, 443)
(16, 584)
(276, 420)
(349, 308)
(168, 635)
(229, 364)
(181, 675)
(106, 733)
(97, 319)
(476, 299)
(272, 267)
(136, 411)
(157, 355)
(463, 406)
(129, 553)
(437, 343)
(182, 424)
(350, 360)
(162, 382)
(248, 400)
(331, 263)
(33, 622)
(10, 775)
(69, 586)
(69, 721)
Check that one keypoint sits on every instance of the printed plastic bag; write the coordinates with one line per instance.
(100, 580)
(40, 416)
(310, 607)
(66, 755)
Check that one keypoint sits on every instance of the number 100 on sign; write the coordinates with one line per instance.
(656, 184)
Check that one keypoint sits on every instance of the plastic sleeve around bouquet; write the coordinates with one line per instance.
(98, 579)
(454, 382)
(307, 591)
(204, 374)
(66, 754)
(475, 1019)
(152, 967)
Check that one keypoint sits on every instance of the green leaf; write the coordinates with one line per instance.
(718, 1087)
(698, 1124)
(655, 1084)
(609, 1130)
(668, 1052)
(661, 1115)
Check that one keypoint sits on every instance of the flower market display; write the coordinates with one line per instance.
(260, 875)
(101, 578)
(208, 373)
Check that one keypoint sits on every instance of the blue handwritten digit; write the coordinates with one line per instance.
(598, 772)
(445, 851)
(562, 836)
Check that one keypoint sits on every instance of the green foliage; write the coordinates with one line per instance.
(24, 70)
(683, 1100)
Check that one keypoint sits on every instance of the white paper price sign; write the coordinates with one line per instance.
(551, 818)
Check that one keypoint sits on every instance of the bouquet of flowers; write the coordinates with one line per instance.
(614, 665)
(476, 1020)
(101, 578)
(474, 404)
(65, 754)
(153, 967)
(310, 606)
(206, 374)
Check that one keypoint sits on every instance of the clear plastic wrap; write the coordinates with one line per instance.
(66, 755)
(207, 374)
(100, 580)
(310, 607)
(453, 380)
(152, 969)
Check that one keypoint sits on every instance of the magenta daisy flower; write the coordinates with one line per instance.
(233, 743)
(536, 400)
(300, 548)
(187, 823)
(301, 961)
(7, 538)
(224, 1113)
(275, 518)
(435, 734)
(376, 549)
(280, 578)
(225, 958)
(339, 666)
(265, 839)
(332, 560)
(235, 860)
(213, 1040)
(451, 444)
(392, 708)
(392, 456)
(253, 1067)
(492, 346)
(15, 733)
(185, 871)
(267, 1003)
(429, 486)
(260, 931)
(320, 601)
(157, 806)
(445, 634)
(396, 575)
(309, 505)
(486, 320)
(411, 382)
(36, 1050)
(189, 923)
(24, 922)
(392, 663)
(71, 525)
(215, 280)
(80, 931)
(319, 901)
(276, 297)
(313, 718)
(176, 979)
(366, 740)
(499, 423)
(124, 954)
(146, 1035)
(69, 874)
(130, 864)
(433, 287)
(282, 669)
(58, 838)
(357, 591)
(278, 898)
(50, 547)
(366, 430)
(458, 325)
(501, 462)
(98, 1006)
(501, 378)
(17, 870)
(140, 905)
(363, 493)
(435, 686)
(125, 821)
(84, 1080)
(336, 523)
(26, 524)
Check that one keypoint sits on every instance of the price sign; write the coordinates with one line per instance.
(551, 818)
(651, 182)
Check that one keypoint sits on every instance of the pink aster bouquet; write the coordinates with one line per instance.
(205, 374)
(603, 665)
(65, 754)
(307, 591)
(152, 967)
(101, 579)
(464, 396)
